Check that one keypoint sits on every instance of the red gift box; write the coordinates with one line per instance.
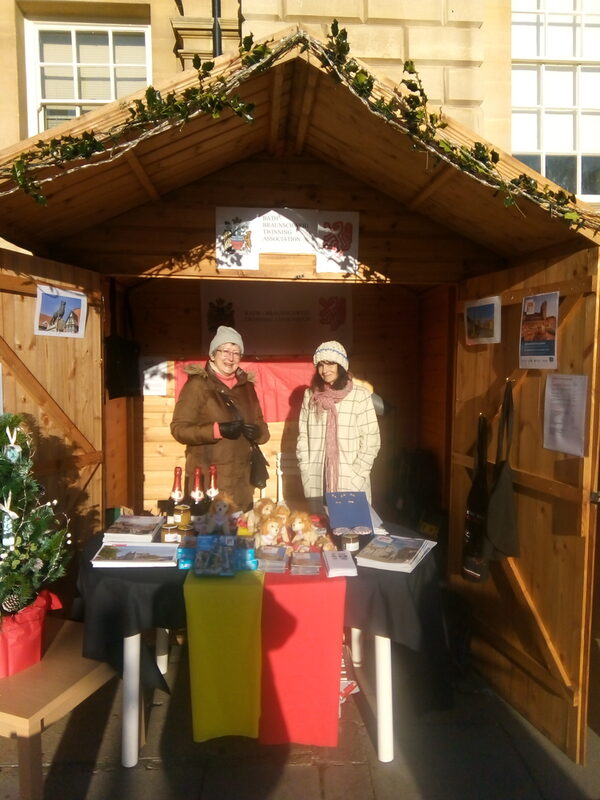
(21, 634)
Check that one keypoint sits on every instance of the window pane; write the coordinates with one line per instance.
(129, 79)
(526, 37)
(55, 46)
(525, 131)
(559, 87)
(94, 83)
(525, 5)
(562, 170)
(560, 37)
(531, 161)
(129, 48)
(590, 175)
(54, 116)
(589, 133)
(92, 47)
(589, 88)
(560, 5)
(559, 132)
(525, 86)
(590, 39)
(57, 82)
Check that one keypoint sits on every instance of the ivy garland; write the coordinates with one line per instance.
(406, 109)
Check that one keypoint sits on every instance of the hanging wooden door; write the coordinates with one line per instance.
(56, 382)
(531, 628)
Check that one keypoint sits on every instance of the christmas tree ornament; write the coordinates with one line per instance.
(12, 450)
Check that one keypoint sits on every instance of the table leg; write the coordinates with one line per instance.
(383, 689)
(356, 646)
(30, 767)
(162, 649)
(130, 744)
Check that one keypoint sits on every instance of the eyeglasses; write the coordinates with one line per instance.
(234, 355)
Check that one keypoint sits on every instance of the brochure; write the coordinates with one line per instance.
(132, 528)
(146, 554)
(400, 553)
(339, 563)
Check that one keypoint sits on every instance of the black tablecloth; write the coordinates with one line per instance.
(120, 602)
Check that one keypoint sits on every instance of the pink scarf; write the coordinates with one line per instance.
(326, 401)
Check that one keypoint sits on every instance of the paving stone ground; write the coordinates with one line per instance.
(476, 749)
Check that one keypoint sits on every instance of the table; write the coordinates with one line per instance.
(265, 656)
(117, 605)
(121, 603)
(396, 607)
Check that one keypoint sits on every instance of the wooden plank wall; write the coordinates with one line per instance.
(57, 383)
(532, 619)
(385, 353)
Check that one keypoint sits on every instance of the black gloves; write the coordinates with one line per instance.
(251, 431)
(231, 430)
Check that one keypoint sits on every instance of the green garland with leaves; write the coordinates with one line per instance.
(406, 109)
(35, 545)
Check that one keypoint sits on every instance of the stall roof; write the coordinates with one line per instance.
(300, 107)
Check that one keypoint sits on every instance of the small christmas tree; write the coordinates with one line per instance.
(35, 546)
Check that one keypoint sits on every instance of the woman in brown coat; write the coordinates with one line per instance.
(218, 416)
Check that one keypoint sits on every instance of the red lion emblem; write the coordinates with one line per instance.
(337, 236)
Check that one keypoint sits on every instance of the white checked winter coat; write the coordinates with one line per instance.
(358, 441)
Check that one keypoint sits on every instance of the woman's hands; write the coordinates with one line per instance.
(231, 430)
(250, 431)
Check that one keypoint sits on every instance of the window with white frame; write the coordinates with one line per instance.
(556, 91)
(73, 68)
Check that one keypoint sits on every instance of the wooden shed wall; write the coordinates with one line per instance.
(56, 383)
(531, 620)
(176, 235)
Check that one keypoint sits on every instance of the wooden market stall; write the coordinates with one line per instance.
(435, 230)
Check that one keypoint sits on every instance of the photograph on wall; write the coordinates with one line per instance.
(483, 320)
(539, 325)
(564, 413)
(60, 312)
(243, 234)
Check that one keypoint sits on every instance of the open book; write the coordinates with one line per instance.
(400, 553)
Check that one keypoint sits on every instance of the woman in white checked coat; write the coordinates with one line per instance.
(338, 435)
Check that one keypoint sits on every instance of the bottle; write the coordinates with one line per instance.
(177, 491)
(212, 490)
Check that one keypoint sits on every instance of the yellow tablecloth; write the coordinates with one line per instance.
(224, 639)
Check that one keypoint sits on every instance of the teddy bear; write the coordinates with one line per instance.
(219, 514)
(262, 509)
(303, 533)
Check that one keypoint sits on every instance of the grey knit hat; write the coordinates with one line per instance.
(331, 351)
(224, 335)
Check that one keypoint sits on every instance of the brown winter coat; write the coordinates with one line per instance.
(201, 404)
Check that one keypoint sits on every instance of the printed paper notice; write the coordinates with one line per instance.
(564, 413)
(539, 323)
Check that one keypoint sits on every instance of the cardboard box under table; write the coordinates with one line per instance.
(265, 653)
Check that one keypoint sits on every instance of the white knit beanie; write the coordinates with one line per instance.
(224, 335)
(331, 351)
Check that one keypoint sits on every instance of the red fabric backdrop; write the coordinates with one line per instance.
(279, 385)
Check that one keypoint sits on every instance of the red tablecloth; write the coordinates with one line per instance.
(302, 629)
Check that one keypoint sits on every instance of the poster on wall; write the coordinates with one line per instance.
(60, 312)
(564, 413)
(155, 376)
(278, 318)
(242, 234)
(483, 320)
(539, 324)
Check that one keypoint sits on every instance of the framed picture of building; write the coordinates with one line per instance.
(60, 312)
(483, 321)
